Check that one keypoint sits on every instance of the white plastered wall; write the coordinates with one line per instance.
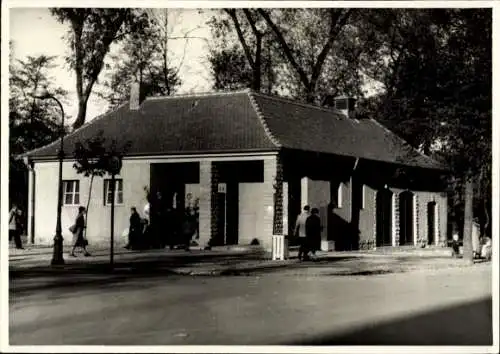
(98, 224)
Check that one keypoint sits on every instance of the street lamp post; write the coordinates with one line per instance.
(57, 255)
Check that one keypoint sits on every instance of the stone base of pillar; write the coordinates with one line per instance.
(327, 246)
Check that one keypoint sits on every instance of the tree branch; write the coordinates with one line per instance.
(181, 62)
(337, 22)
(286, 49)
(241, 37)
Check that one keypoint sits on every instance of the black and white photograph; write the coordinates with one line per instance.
(273, 176)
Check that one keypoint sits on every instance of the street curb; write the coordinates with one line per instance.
(256, 271)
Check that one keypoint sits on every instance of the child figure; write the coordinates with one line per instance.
(455, 246)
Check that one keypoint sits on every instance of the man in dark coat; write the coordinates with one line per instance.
(313, 231)
(135, 229)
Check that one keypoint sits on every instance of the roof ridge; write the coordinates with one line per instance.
(57, 141)
(262, 119)
(303, 104)
(198, 94)
(403, 140)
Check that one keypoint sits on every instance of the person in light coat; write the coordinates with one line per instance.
(300, 232)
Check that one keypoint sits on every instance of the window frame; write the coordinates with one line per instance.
(118, 192)
(74, 193)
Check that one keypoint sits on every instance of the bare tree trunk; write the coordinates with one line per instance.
(270, 78)
(87, 208)
(257, 68)
(468, 215)
(82, 112)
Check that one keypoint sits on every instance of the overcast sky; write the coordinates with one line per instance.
(34, 32)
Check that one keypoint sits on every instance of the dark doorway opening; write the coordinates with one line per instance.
(384, 217)
(406, 218)
(168, 201)
(431, 219)
(232, 213)
(220, 236)
(170, 179)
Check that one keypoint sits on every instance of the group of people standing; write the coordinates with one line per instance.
(162, 225)
(308, 230)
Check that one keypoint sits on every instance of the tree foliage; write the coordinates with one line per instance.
(293, 52)
(438, 97)
(32, 122)
(92, 159)
(92, 31)
(243, 52)
(144, 57)
(434, 67)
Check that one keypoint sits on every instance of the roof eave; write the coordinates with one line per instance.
(176, 153)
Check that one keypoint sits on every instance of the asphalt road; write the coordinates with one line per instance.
(446, 307)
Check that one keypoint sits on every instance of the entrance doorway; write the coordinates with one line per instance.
(431, 223)
(406, 218)
(384, 217)
(220, 237)
(226, 214)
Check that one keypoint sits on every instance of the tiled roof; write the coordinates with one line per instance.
(310, 128)
(241, 122)
(178, 124)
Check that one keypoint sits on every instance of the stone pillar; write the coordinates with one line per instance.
(437, 228)
(272, 201)
(214, 207)
(286, 207)
(443, 217)
(418, 217)
(415, 219)
(395, 225)
(394, 219)
(205, 203)
(374, 239)
(304, 189)
(278, 198)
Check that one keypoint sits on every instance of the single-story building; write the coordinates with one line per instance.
(250, 161)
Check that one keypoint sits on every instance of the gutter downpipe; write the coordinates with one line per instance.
(31, 202)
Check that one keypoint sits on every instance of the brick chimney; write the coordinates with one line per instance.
(344, 104)
(136, 96)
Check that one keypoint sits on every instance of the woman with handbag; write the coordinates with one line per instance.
(77, 230)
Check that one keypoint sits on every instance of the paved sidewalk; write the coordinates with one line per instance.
(224, 261)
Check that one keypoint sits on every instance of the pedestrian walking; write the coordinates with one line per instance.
(135, 229)
(77, 230)
(15, 226)
(313, 231)
(300, 232)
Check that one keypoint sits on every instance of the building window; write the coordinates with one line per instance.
(71, 192)
(339, 196)
(108, 195)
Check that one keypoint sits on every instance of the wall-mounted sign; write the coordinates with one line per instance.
(222, 188)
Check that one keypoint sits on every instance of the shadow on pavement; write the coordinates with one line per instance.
(465, 324)
(324, 262)
(78, 276)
